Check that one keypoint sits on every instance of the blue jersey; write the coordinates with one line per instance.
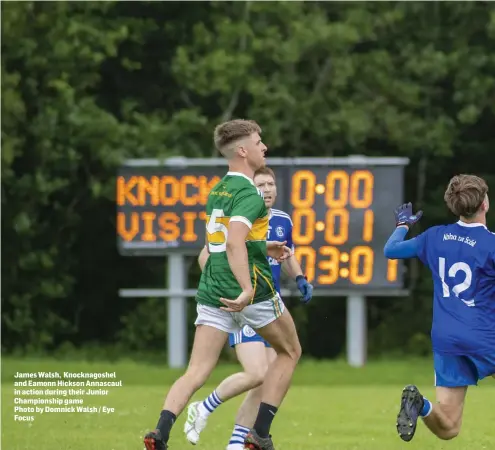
(279, 229)
(461, 258)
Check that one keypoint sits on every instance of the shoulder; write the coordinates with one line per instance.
(243, 189)
(281, 216)
(489, 236)
(238, 183)
(432, 231)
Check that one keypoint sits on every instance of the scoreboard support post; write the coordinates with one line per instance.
(177, 312)
(356, 330)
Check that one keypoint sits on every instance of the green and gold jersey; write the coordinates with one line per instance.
(235, 198)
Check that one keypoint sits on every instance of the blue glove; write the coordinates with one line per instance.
(404, 215)
(305, 288)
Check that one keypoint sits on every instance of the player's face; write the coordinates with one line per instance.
(256, 151)
(266, 184)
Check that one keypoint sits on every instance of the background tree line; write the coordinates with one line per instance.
(88, 84)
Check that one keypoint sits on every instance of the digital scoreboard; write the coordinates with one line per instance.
(341, 210)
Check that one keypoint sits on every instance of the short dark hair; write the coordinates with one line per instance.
(465, 194)
(265, 171)
(231, 131)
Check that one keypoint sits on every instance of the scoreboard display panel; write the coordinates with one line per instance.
(341, 210)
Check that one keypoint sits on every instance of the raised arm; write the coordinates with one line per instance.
(396, 247)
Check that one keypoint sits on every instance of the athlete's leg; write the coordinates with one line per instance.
(453, 374)
(208, 343)
(198, 412)
(253, 374)
(248, 410)
(282, 336)
(254, 357)
(445, 418)
(212, 328)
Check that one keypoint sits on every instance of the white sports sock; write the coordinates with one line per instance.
(237, 439)
(209, 405)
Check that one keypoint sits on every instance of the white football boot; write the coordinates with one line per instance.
(195, 423)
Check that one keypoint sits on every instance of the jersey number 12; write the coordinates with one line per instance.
(458, 288)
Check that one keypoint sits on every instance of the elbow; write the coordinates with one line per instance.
(388, 252)
(234, 244)
(230, 246)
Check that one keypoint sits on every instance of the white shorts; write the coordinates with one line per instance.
(256, 315)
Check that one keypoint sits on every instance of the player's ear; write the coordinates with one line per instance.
(484, 205)
(242, 151)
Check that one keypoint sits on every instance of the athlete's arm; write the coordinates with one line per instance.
(397, 248)
(203, 257)
(292, 267)
(237, 254)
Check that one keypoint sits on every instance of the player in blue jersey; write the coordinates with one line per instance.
(253, 352)
(461, 257)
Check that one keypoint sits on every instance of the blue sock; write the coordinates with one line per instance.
(211, 403)
(238, 435)
(427, 408)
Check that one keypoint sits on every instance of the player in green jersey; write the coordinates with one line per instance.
(235, 199)
(236, 289)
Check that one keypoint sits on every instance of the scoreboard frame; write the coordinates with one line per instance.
(354, 162)
(177, 291)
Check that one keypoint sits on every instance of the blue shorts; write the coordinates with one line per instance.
(462, 370)
(247, 334)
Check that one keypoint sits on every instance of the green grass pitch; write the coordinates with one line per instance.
(330, 406)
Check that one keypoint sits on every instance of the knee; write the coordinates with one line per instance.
(297, 352)
(257, 375)
(447, 435)
(293, 351)
(257, 380)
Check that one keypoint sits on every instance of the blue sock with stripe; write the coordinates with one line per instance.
(427, 408)
(238, 435)
(209, 405)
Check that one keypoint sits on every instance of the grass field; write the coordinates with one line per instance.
(330, 407)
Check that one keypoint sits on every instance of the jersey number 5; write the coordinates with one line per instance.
(458, 288)
(217, 232)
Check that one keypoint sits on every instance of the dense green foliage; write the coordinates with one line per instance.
(87, 84)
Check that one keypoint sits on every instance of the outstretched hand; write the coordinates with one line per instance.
(404, 215)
